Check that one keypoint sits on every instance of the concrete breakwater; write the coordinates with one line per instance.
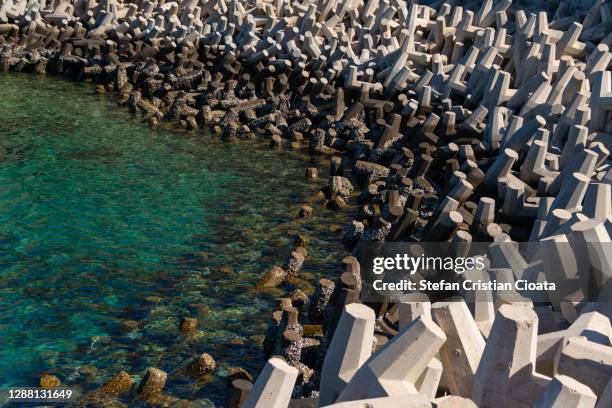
(443, 123)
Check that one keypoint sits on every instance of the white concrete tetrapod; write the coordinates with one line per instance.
(510, 351)
(563, 392)
(464, 345)
(592, 325)
(273, 387)
(587, 362)
(428, 382)
(452, 401)
(411, 306)
(399, 401)
(397, 366)
(350, 347)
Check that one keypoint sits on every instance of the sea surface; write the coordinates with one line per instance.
(111, 231)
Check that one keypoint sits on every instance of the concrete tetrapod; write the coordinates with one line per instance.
(509, 356)
(593, 325)
(605, 399)
(350, 347)
(281, 69)
(429, 381)
(399, 401)
(398, 365)
(273, 387)
(587, 362)
(464, 345)
(411, 306)
(564, 392)
(452, 401)
(481, 300)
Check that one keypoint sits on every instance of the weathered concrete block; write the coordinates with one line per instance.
(237, 393)
(340, 186)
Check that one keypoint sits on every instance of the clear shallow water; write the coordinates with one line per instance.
(104, 220)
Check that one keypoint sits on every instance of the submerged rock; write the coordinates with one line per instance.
(312, 173)
(275, 277)
(129, 325)
(152, 384)
(201, 366)
(339, 187)
(305, 211)
(48, 381)
(188, 324)
(119, 384)
(89, 372)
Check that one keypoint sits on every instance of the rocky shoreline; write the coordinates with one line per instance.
(442, 123)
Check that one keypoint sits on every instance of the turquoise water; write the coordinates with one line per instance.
(104, 220)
